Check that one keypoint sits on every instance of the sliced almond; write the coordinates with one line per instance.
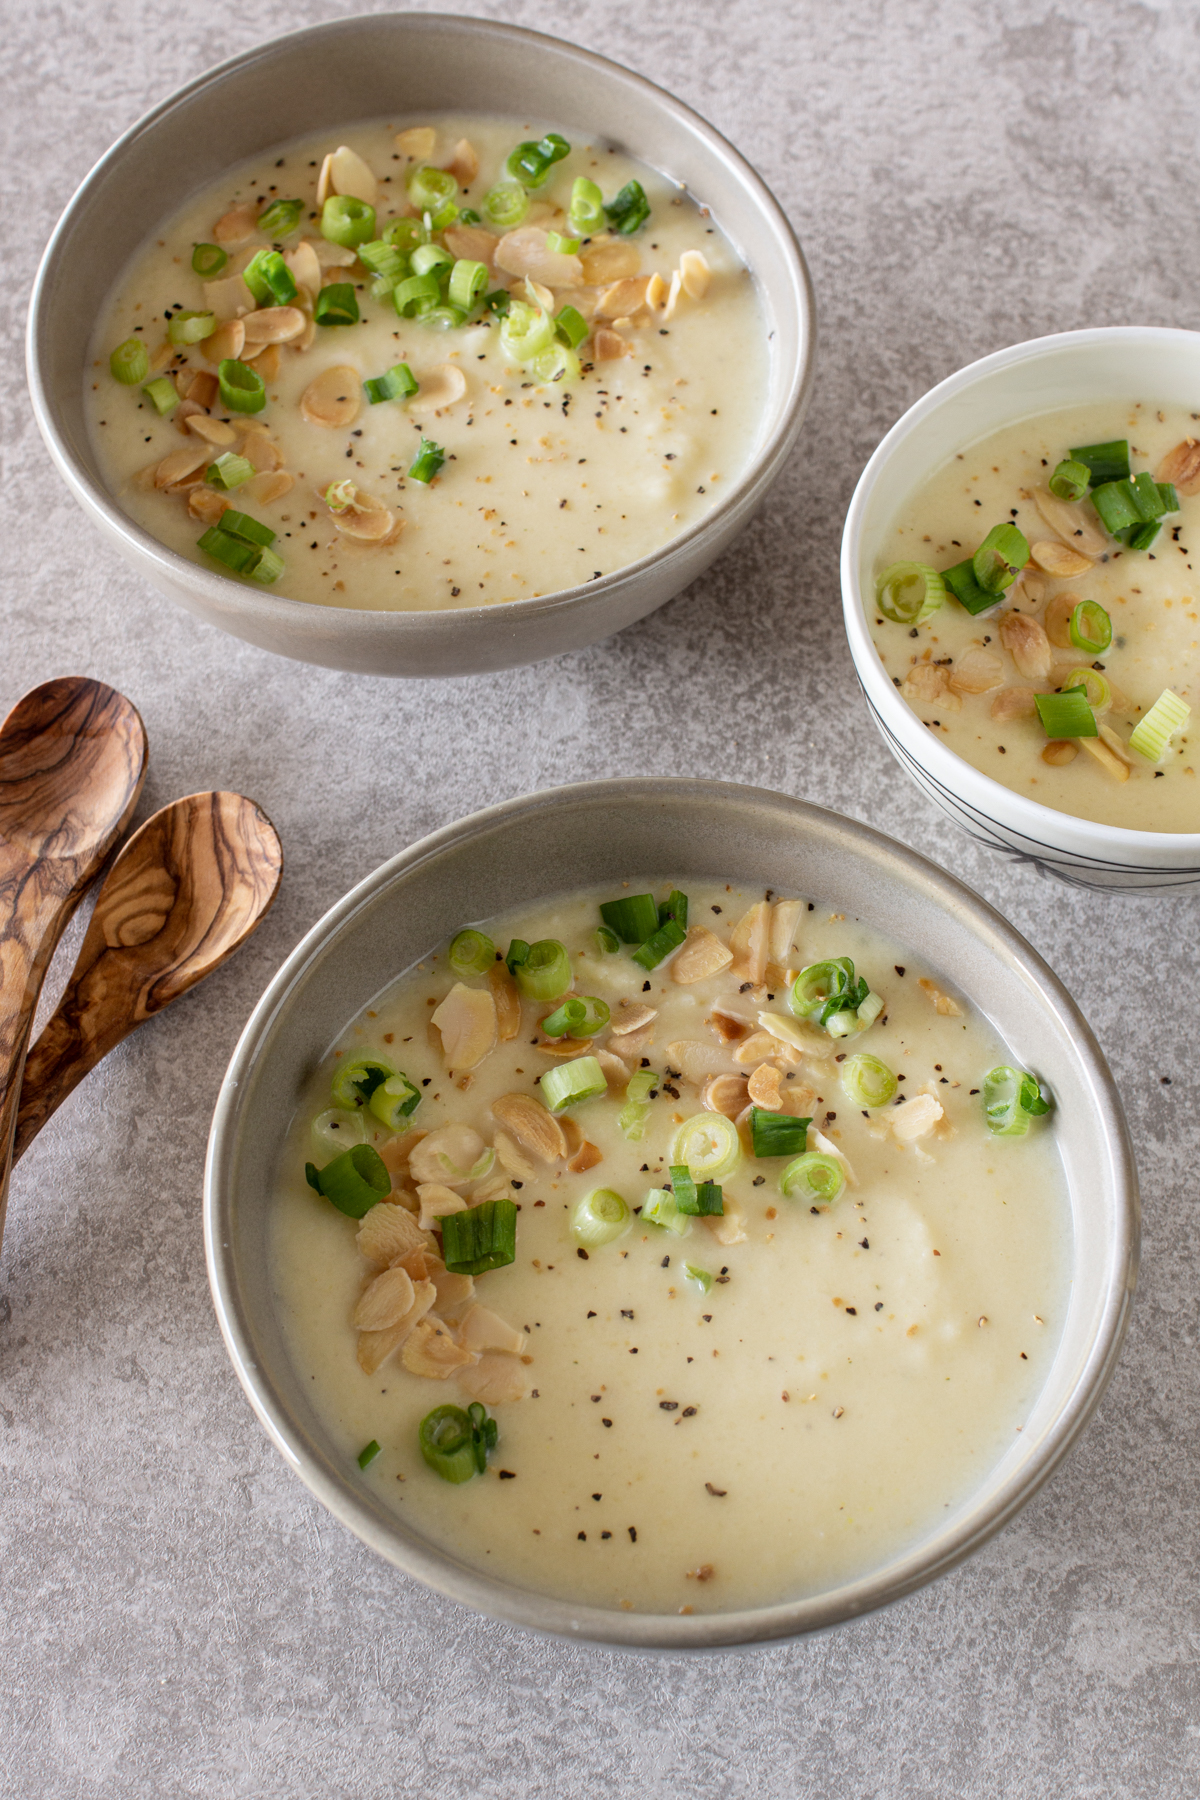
(1026, 642)
(395, 1151)
(724, 1094)
(700, 955)
(494, 1379)
(179, 464)
(1099, 751)
(696, 1061)
(1115, 742)
(759, 1047)
(656, 293)
(586, 1157)
(1058, 619)
(265, 357)
(270, 486)
(482, 1329)
(607, 346)
(333, 399)
(1013, 703)
(810, 1040)
(916, 1119)
(623, 298)
(606, 260)
(1074, 521)
(750, 943)
(535, 1129)
(235, 227)
(942, 1003)
(471, 243)
(977, 671)
(213, 431)
(673, 296)
(728, 1027)
(449, 1155)
(261, 450)
(305, 266)
(727, 1228)
(763, 1087)
(371, 525)
(416, 141)
(512, 1158)
(187, 409)
(1062, 561)
(385, 1301)
(388, 1233)
(437, 1202)
(430, 1350)
(229, 299)
(332, 256)
(442, 387)
(526, 252)
(202, 388)
(1059, 752)
(564, 1047)
(466, 1019)
(274, 325)
(928, 684)
(374, 1347)
(453, 1291)
(783, 932)
(1181, 466)
(507, 997)
(631, 1018)
(694, 274)
(616, 1071)
(205, 504)
(463, 163)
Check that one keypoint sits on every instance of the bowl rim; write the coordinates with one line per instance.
(1151, 851)
(503, 1601)
(282, 609)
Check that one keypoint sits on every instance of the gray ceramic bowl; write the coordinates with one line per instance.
(603, 832)
(368, 68)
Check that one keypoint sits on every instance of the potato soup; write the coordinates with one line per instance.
(672, 1253)
(429, 364)
(1069, 672)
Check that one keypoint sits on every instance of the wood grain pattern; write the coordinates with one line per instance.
(72, 763)
(186, 890)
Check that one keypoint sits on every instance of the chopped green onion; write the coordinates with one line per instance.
(368, 1453)
(208, 260)
(130, 362)
(629, 210)
(336, 304)
(505, 205)
(354, 1182)
(471, 953)
(699, 1277)
(242, 388)
(660, 944)
(1152, 734)
(563, 246)
(228, 471)
(641, 1085)
(581, 1017)
(607, 942)
(636, 1110)
(1104, 462)
(429, 189)
(499, 302)
(444, 216)
(1090, 627)
(269, 279)
(415, 292)
(600, 1219)
(280, 219)
(162, 394)
(1148, 496)
(659, 1208)
(468, 282)
(777, 1134)
(545, 971)
(469, 216)
(1168, 496)
(269, 567)
(518, 953)
(868, 1011)
(634, 917)
(569, 1083)
(191, 327)
(347, 221)
(234, 552)
(251, 531)
(403, 234)
(1140, 537)
(818, 984)
(427, 462)
(530, 163)
(571, 326)
(867, 1081)
(909, 592)
(355, 1079)
(386, 260)
(814, 1177)
(396, 383)
(1070, 480)
(1000, 558)
(481, 1238)
(454, 1443)
(427, 258)
(526, 331)
(1066, 715)
(708, 1146)
(337, 1130)
(1010, 1099)
(702, 1199)
(394, 1100)
(443, 318)
(587, 207)
(340, 496)
(1116, 504)
(960, 581)
(1099, 694)
(675, 906)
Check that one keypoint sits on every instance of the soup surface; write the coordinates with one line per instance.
(774, 1400)
(559, 464)
(972, 679)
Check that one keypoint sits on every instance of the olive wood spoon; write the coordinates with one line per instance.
(72, 763)
(186, 890)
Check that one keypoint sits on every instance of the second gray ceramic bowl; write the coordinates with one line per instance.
(386, 66)
(604, 832)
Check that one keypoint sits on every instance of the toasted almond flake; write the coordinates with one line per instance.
(942, 1003)
(376, 525)
(565, 1047)
(437, 1202)
(265, 357)
(453, 1291)
(187, 409)
(810, 1040)
(526, 252)
(656, 293)
(205, 504)
(977, 671)
(483, 1329)
(728, 1027)
(1181, 466)
(349, 174)
(1059, 752)
(698, 1061)
(387, 1233)
(213, 431)
(447, 1155)
(385, 1301)
(463, 163)
(274, 325)
(496, 1187)
(1058, 619)
(607, 346)
(763, 1087)
(442, 387)
(586, 1157)
(535, 1129)
(494, 1379)
(725, 1094)
(229, 299)
(673, 296)
(202, 388)
(623, 298)
(417, 141)
(750, 943)
(234, 227)
(1115, 742)
(472, 243)
(759, 1046)
(333, 399)
(466, 1018)
(305, 266)
(508, 1002)
(928, 684)
(700, 955)
(694, 274)
(270, 486)
(616, 1072)
(511, 1157)
(609, 259)
(333, 256)
(783, 932)
(1026, 642)
(179, 464)
(631, 1018)
(394, 1152)
(818, 1141)
(430, 1350)
(916, 1119)
(727, 1229)
(374, 1347)
(1062, 561)
(261, 450)
(1013, 703)
(1074, 521)
(325, 185)
(1099, 751)
(419, 1264)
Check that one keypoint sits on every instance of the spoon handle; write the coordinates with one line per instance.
(72, 763)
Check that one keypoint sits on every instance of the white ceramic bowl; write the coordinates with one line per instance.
(357, 69)
(598, 832)
(1075, 368)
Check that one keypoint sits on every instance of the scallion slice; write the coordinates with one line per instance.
(1000, 558)
(1099, 693)
(960, 581)
(660, 944)
(699, 1277)
(587, 207)
(404, 234)
(1011, 1097)
(1140, 537)
(1116, 504)
(634, 1114)
(337, 304)
(251, 530)
(777, 1134)
(530, 163)
(518, 952)
(572, 1082)
(429, 189)
(607, 942)
(814, 1178)
(443, 318)
(268, 568)
(525, 332)
(545, 971)
(471, 953)
(385, 260)
(454, 1443)
(629, 209)
(368, 1453)
(582, 1017)
(601, 1219)
(396, 383)
(468, 283)
(675, 906)
(208, 260)
(242, 388)
(347, 221)
(427, 259)
(162, 394)
(867, 1081)
(481, 1238)
(659, 1208)
(1147, 497)
(356, 1078)
(642, 1085)
(395, 1100)
(633, 917)
(909, 592)
(233, 552)
(1070, 480)
(336, 1130)
(1104, 462)
(270, 280)
(563, 246)
(354, 1182)
(571, 326)
(414, 293)
(427, 461)
(468, 216)
(708, 1146)
(228, 471)
(191, 327)
(1090, 627)
(130, 363)
(698, 1199)
(819, 983)
(280, 219)
(505, 205)
(1066, 715)
(1151, 735)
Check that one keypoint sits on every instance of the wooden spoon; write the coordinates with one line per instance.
(186, 890)
(72, 763)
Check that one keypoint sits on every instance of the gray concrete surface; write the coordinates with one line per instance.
(178, 1616)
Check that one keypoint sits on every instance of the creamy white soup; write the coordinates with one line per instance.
(429, 364)
(780, 1292)
(1096, 597)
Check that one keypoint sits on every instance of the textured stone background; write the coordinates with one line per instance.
(178, 1616)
